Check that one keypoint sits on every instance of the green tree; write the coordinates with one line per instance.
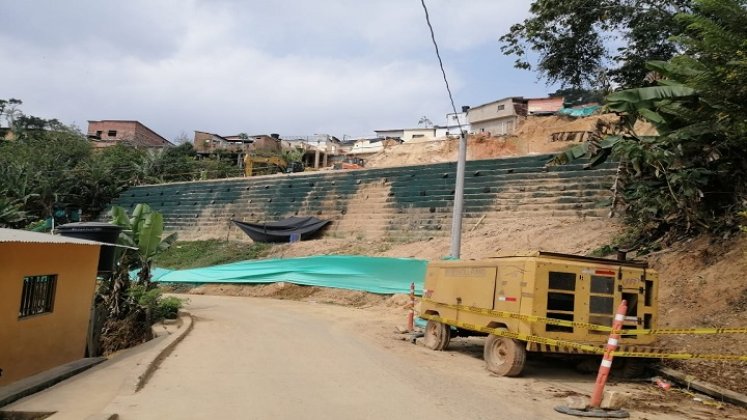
(178, 163)
(9, 110)
(573, 40)
(41, 167)
(692, 176)
(124, 161)
(11, 211)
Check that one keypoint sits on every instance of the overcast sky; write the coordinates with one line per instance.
(294, 67)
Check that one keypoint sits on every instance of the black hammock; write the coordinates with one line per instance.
(281, 231)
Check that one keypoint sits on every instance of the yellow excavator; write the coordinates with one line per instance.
(267, 165)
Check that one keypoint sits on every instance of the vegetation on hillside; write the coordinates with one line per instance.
(132, 307)
(692, 176)
(193, 254)
(47, 168)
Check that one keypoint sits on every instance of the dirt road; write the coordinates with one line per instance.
(253, 358)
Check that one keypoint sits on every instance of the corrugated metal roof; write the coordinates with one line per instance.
(24, 236)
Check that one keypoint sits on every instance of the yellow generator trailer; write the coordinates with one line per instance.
(263, 165)
(518, 294)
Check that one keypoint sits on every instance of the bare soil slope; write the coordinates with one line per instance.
(575, 236)
(533, 137)
(704, 285)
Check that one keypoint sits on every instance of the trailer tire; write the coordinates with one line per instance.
(504, 356)
(437, 335)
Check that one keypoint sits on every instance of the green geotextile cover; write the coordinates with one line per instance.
(369, 274)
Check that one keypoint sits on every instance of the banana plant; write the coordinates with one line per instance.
(659, 105)
(11, 211)
(143, 231)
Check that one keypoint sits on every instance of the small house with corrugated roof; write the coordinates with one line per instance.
(47, 286)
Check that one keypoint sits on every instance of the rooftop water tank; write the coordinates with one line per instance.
(95, 231)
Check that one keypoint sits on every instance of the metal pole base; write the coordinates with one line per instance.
(599, 413)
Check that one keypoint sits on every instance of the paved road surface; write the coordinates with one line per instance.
(268, 359)
(86, 393)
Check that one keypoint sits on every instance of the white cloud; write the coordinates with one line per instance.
(293, 67)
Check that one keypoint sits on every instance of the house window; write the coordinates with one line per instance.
(501, 107)
(37, 296)
(98, 134)
(418, 136)
(112, 133)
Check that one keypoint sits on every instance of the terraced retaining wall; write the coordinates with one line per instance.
(411, 201)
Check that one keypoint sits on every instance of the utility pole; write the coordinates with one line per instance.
(456, 218)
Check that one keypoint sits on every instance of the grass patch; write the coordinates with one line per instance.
(603, 251)
(193, 254)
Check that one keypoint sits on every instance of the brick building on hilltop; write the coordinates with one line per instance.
(105, 133)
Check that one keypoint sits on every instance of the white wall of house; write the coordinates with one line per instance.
(497, 127)
(322, 142)
(390, 134)
(492, 110)
(366, 146)
(442, 132)
(498, 118)
(453, 121)
(411, 134)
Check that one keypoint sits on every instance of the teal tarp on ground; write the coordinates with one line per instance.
(369, 274)
(586, 111)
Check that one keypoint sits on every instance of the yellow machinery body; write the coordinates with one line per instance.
(548, 285)
(260, 165)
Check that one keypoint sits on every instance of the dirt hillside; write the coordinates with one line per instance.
(534, 136)
(575, 236)
(703, 284)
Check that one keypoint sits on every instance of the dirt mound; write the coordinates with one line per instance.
(291, 291)
(436, 151)
(574, 236)
(703, 285)
(534, 136)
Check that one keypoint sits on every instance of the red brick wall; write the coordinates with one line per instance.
(129, 131)
(147, 137)
(125, 130)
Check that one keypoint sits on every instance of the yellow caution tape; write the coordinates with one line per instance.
(583, 347)
(593, 327)
(676, 331)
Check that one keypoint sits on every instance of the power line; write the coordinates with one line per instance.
(458, 210)
(440, 61)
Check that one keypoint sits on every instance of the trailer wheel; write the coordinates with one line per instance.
(437, 335)
(504, 356)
